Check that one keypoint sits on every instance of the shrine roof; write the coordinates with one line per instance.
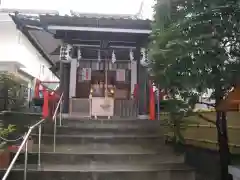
(97, 20)
(35, 28)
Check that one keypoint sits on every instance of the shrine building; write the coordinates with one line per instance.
(100, 60)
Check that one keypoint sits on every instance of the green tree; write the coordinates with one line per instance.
(11, 91)
(194, 48)
(3, 134)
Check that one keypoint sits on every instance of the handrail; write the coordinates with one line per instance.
(24, 143)
(59, 106)
(26, 138)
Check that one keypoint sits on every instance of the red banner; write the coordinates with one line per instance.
(45, 112)
(152, 112)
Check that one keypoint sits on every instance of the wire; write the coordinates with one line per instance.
(11, 140)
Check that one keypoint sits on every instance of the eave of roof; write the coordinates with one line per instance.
(22, 26)
(26, 23)
(25, 74)
(96, 21)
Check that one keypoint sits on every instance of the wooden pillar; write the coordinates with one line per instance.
(142, 90)
(65, 75)
(66, 82)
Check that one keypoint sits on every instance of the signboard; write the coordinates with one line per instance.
(120, 75)
(85, 74)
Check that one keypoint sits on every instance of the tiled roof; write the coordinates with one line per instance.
(125, 21)
(45, 42)
(93, 20)
(105, 16)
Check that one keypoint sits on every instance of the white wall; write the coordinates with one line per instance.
(11, 67)
(14, 46)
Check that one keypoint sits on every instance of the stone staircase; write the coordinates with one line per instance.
(104, 150)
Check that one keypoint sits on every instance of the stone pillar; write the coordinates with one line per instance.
(142, 88)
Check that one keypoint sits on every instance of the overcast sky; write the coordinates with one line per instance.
(87, 6)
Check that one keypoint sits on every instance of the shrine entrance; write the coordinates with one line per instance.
(101, 92)
(95, 84)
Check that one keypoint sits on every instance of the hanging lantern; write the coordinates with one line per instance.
(113, 57)
(65, 53)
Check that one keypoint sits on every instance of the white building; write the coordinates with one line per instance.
(17, 52)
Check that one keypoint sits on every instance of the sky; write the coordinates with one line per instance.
(85, 6)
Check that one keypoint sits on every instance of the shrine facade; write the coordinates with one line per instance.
(101, 60)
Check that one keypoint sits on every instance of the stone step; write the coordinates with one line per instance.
(104, 138)
(100, 118)
(105, 148)
(106, 130)
(105, 172)
(111, 123)
(77, 154)
(88, 158)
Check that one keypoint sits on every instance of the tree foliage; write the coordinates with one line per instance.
(4, 132)
(11, 91)
(197, 50)
(195, 47)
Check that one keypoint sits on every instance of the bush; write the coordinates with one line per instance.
(4, 133)
(12, 95)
